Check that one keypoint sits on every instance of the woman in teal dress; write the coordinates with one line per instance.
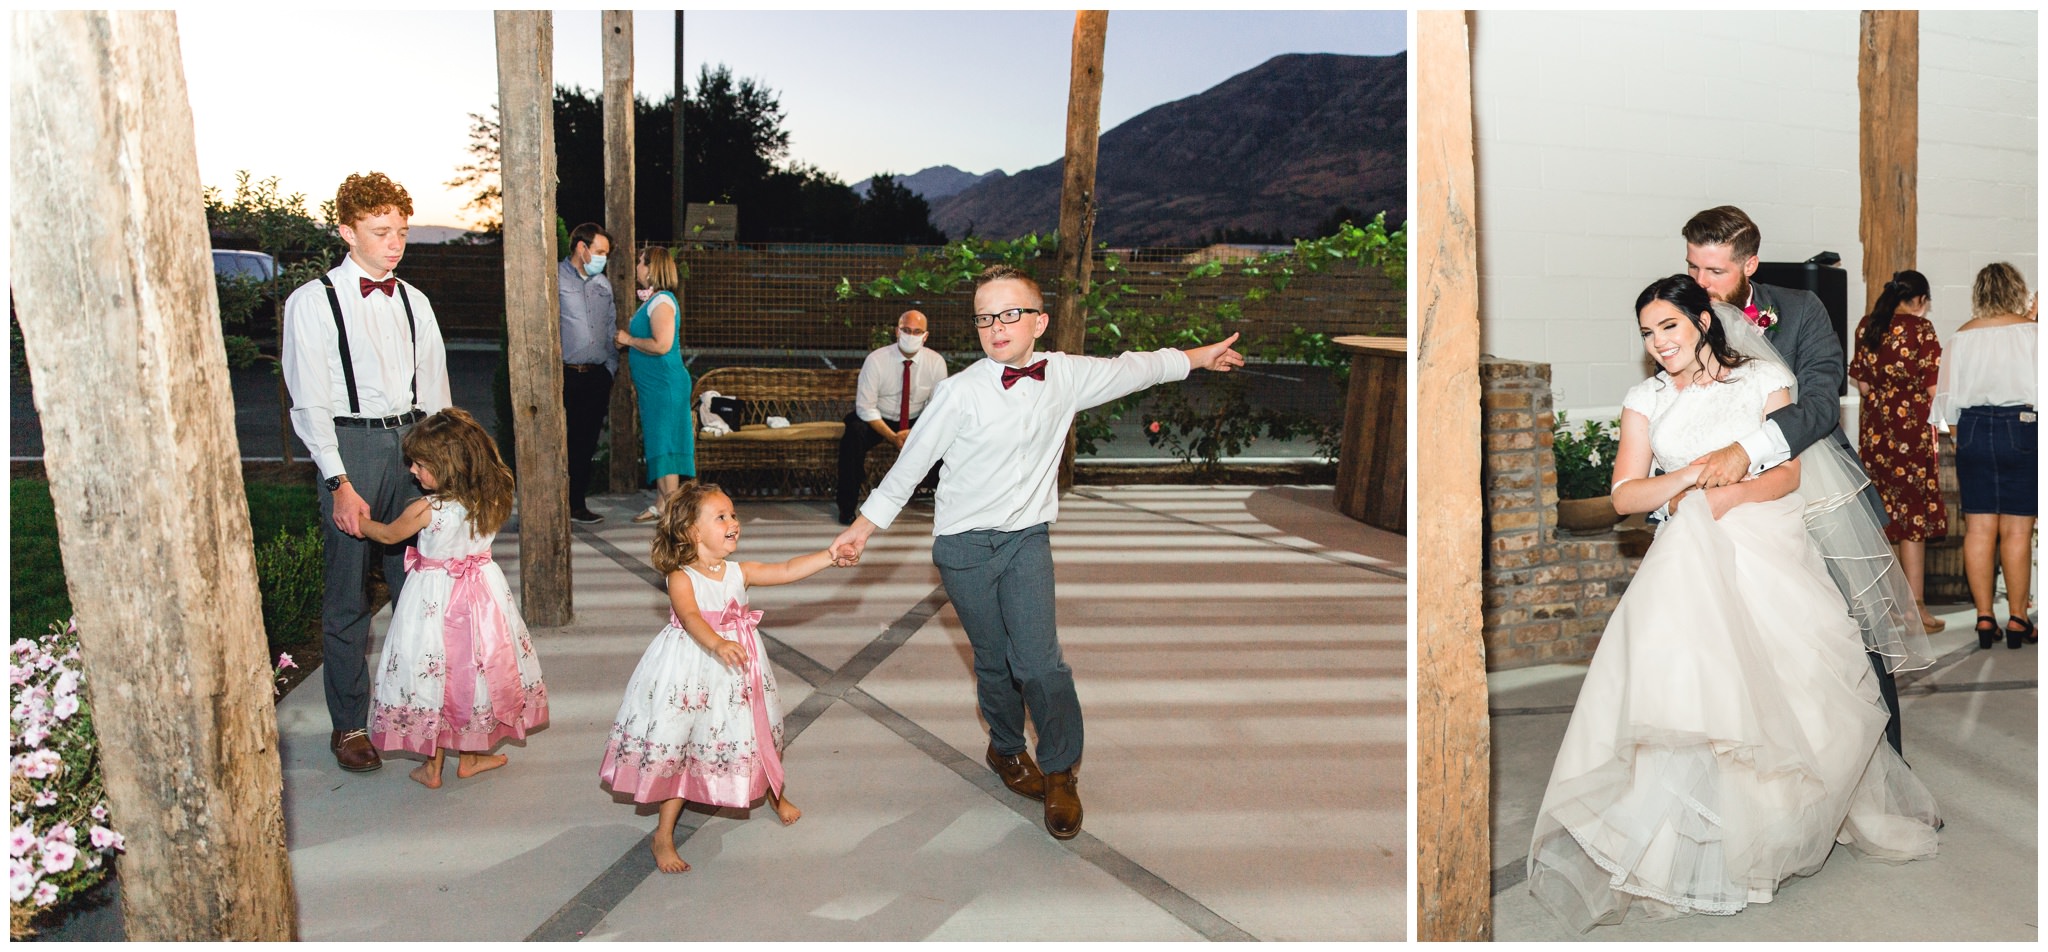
(666, 429)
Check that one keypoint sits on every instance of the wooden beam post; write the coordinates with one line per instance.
(121, 328)
(533, 341)
(683, 82)
(617, 26)
(1453, 861)
(1077, 198)
(1888, 147)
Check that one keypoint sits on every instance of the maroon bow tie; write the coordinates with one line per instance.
(388, 286)
(1011, 374)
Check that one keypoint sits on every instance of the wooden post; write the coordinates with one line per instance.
(1888, 83)
(618, 219)
(680, 211)
(533, 342)
(1453, 862)
(1077, 198)
(121, 328)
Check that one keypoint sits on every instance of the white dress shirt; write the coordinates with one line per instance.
(379, 351)
(1002, 446)
(878, 394)
(1987, 367)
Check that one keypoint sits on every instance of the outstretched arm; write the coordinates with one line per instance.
(783, 573)
(852, 540)
(682, 600)
(408, 524)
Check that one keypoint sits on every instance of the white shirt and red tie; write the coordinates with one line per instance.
(384, 354)
(896, 387)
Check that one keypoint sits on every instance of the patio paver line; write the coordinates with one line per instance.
(584, 911)
(1400, 575)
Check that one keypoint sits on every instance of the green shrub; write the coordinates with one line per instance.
(292, 575)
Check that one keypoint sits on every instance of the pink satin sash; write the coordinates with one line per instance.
(468, 623)
(737, 618)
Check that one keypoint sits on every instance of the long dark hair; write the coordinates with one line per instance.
(1684, 293)
(1904, 286)
(466, 466)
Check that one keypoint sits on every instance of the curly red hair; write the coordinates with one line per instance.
(362, 196)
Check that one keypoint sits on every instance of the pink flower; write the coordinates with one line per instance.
(104, 839)
(66, 706)
(67, 684)
(46, 798)
(22, 880)
(100, 813)
(58, 856)
(24, 839)
(285, 661)
(46, 893)
(1154, 427)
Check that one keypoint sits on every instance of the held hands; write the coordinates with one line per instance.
(1217, 356)
(846, 549)
(350, 510)
(1729, 464)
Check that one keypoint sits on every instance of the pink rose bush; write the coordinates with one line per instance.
(56, 790)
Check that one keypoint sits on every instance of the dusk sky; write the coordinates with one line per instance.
(860, 92)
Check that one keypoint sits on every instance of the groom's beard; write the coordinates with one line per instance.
(1739, 296)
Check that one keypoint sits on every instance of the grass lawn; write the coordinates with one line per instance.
(36, 587)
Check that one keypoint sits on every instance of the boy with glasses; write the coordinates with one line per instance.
(1000, 427)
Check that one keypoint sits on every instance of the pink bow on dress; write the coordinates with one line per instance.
(467, 625)
(736, 618)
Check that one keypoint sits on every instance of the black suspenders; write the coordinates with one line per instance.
(348, 367)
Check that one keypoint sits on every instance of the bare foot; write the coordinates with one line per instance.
(472, 764)
(666, 858)
(785, 810)
(428, 774)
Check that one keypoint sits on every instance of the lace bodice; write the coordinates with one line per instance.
(1690, 423)
(448, 534)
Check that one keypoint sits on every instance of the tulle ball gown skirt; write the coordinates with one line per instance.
(1729, 733)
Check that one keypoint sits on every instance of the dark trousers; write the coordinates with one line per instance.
(586, 399)
(1889, 689)
(860, 438)
(1000, 583)
(377, 472)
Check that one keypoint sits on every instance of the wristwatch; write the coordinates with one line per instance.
(334, 482)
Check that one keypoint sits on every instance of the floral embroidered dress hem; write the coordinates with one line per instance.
(691, 728)
(455, 614)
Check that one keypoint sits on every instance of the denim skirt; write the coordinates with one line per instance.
(1995, 460)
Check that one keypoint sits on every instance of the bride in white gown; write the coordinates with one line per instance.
(1729, 732)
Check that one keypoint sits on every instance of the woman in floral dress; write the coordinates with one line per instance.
(1897, 360)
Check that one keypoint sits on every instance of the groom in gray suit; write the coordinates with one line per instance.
(1721, 254)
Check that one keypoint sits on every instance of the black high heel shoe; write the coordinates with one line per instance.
(1987, 631)
(2014, 637)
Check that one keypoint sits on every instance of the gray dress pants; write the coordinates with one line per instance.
(1000, 583)
(376, 469)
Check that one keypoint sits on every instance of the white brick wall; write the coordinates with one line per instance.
(1599, 134)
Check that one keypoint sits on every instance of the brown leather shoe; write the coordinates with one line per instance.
(1019, 773)
(352, 751)
(1062, 805)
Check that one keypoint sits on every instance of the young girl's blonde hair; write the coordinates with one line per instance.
(466, 465)
(673, 546)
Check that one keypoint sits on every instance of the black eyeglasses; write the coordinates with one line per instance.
(1011, 316)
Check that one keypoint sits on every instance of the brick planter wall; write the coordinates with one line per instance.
(1547, 596)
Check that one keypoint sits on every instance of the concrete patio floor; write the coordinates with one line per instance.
(1971, 726)
(1241, 654)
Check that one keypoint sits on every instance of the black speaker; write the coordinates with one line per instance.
(1830, 284)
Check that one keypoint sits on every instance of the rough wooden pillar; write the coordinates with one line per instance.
(618, 219)
(683, 207)
(533, 342)
(1077, 198)
(1888, 148)
(115, 295)
(1453, 742)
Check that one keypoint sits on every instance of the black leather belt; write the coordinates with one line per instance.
(583, 368)
(382, 423)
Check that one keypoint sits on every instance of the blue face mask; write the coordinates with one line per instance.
(595, 266)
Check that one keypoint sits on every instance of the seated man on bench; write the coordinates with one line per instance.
(895, 384)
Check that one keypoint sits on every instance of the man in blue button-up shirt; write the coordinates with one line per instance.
(589, 357)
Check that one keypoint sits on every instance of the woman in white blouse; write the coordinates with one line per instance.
(1986, 392)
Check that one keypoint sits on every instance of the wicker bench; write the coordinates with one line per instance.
(794, 462)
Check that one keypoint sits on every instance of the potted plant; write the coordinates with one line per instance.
(1585, 474)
